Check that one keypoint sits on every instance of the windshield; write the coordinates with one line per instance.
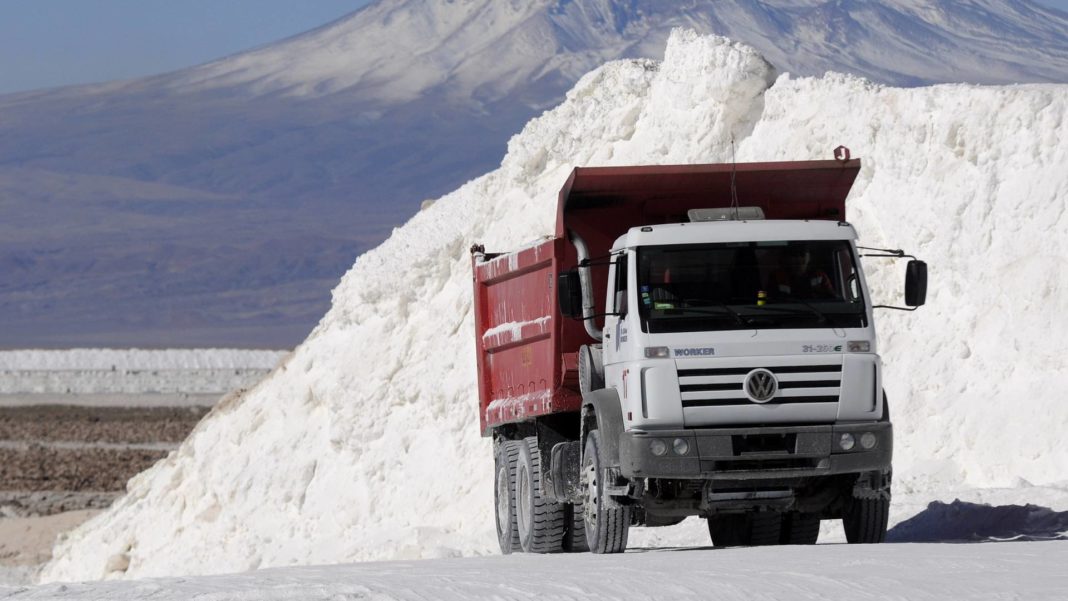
(747, 285)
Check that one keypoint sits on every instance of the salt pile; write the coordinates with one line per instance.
(365, 445)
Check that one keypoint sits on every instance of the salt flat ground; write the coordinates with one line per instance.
(1010, 570)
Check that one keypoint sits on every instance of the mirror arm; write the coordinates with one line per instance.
(894, 308)
(600, 261)
(887, 253)
(595, 316)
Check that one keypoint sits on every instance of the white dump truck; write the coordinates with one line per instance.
(697, 340)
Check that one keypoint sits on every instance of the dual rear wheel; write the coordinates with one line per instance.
(527, 521)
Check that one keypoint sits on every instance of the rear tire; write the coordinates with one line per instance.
(865, 520)
(541, 521)
(607, 523)
(800, 529)
(746, 530)
(504, 495)
(575, 537)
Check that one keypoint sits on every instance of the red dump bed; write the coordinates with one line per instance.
(527, 354)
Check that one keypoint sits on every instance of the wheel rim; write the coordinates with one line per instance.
(589, 508)
(503, 510)
(522, 493)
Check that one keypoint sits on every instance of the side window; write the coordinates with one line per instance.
(620, 286)
(848, 275)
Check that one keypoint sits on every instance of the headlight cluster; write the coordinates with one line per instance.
(859, 346)
(659, 448)
(848, 441)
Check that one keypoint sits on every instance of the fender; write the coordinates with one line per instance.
(601, 409)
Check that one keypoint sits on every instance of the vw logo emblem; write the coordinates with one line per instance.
(760, 385)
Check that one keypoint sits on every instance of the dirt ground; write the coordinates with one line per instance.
(38, 467)
(61, 458)
(98, 424)
(61, 465)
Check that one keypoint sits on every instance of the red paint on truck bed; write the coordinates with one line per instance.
(524, 367)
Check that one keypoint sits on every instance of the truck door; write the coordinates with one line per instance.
(615, 323)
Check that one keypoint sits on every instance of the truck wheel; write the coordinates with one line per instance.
(575, 537)
(540, 520)
(745, 530)
(728, 530)
(800, 529)
(504, 495)
(607, 524)
(864, 520)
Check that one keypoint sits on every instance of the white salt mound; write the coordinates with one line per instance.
(365, 443)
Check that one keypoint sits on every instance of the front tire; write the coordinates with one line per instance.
(865, 520)
(504, 495)
(607, 523)
(541, 521)
(800, 528)
(745, 530)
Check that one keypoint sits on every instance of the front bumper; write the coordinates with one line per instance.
(763, 453)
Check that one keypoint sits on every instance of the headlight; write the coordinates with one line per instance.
(868, 440)
(657, 447)
(847, 442)
(681, 446)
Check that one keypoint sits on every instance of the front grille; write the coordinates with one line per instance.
(741, 371)
(764, 444)
(762, 465)
(794, 400)
(723, 387)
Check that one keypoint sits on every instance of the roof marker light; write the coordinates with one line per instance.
(727, 214)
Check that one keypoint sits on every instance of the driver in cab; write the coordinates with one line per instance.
(796, 278)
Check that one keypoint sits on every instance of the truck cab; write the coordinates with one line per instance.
(724, 355)
(694, 307)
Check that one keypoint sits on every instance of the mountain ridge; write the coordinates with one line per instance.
(338, 135)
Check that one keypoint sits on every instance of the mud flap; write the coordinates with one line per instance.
(565, 466)
(606, 409)
(617, 493)
(605, 406)
(872, 485)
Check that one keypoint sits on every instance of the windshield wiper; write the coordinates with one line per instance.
(823, 318)
(722, 309)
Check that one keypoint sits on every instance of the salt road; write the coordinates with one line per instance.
(1012, 570)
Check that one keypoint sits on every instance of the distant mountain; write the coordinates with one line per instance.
(218, 205)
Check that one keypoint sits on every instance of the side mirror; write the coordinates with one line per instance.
(621, 303)
(569, 293)
(916, 283)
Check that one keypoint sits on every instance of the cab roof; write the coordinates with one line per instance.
(735, 231)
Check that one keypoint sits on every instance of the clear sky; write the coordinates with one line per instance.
(47, 43)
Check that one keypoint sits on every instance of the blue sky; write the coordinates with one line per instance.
(46, 43)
